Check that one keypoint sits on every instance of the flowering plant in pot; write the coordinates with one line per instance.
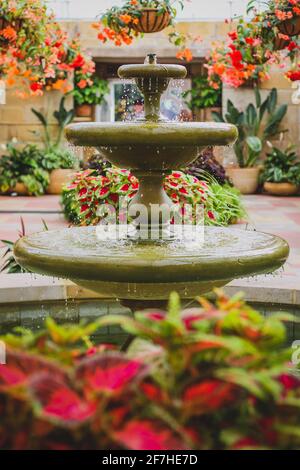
(258, 123)
(285, 16)
(216, 376)
(88, 92)
(38, 56)
(281, 174)
(134, 18)
(244, 58)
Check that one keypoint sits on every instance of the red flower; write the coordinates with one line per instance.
(250, 41)
(211, 215)
(292, 45)
(35, 86)
(78, 62)
(233, 35)
(10, 375)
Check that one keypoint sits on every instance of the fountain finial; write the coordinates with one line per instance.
(151, 59)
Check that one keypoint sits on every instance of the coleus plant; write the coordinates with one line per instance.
(216, 376)
(116, 187)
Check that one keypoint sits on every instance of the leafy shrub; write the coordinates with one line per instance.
(23, 166)
(210, 377)
(281, 166)
(256, 125)
(91, 94)
(82, 198)
(207, 163)
(202, 94)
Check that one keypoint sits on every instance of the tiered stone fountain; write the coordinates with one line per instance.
(148, 270)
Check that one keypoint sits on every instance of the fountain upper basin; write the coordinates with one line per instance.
(149, 145)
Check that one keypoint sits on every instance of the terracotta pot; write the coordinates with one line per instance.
(244, 179)
(281, 189)
(84, 110)
(152, 22)
(58, 179)
(19, 188)
(290, 27)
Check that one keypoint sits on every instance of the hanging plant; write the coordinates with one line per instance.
(245, 57)
(285, 16)
(134, 18)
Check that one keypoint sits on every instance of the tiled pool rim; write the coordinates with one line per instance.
(34, 288)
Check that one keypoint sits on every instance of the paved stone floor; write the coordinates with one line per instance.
(280, 216)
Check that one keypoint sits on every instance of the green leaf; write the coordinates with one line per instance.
(254, 143)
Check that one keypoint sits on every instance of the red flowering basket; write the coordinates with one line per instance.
(290, 27)
(151, 21)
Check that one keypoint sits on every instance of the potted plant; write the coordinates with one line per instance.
(122, 24)
(203, 98)
(59, 162)
(285, 16)
(258, 123)
(88, 93)
(22, 172)
(281, 174)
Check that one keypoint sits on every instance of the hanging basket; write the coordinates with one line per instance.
(280, 44)
(151, 21)
(290, 27)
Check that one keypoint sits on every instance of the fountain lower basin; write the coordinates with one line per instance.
(127, 270)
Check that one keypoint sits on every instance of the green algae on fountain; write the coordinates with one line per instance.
(149, 269)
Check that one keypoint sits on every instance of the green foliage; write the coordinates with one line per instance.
(62, 116)
(202, 94)
(216, 376)
(83, 197)
(23, 166)
(258, 123)
(92, 94)
(10, 265)
(281, 166)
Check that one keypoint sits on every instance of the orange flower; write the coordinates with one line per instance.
(82, 83)
(186, 54)
(126, 18)
(9, 33)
